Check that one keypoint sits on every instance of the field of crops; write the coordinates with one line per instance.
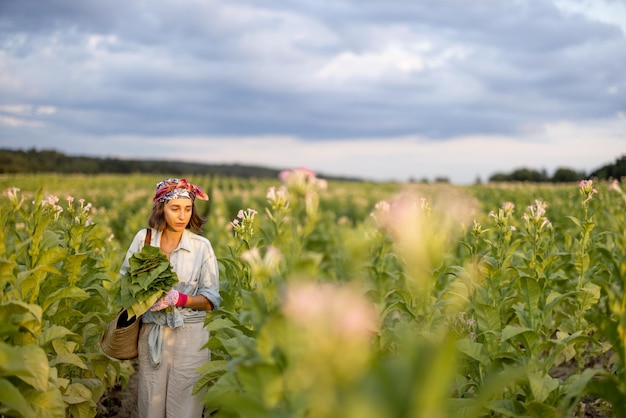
(352, 300)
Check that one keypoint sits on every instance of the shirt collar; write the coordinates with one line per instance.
(185, 240)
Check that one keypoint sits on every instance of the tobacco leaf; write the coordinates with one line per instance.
(148, 278)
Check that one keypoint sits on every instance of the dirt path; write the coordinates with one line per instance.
(118, 402)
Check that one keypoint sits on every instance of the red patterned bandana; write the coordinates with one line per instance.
(170, 189)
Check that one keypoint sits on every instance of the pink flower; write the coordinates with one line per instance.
(271, 193)
(287, 175)
(401, 214)
(264, 266)
(11, 194)
(586, 189)
(341, 311)
(614, 186)
(50, 200)
(537, 215)
(301, 180)
(252, 256)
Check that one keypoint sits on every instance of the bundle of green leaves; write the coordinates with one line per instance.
(149, 277)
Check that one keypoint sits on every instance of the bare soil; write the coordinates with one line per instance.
(120, 402)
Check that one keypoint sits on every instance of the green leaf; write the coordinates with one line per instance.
(69, 358)
(28, 363)
(212, 367)
(576, 388)
(487, 315)
(53, 332)
(209, 372)
(542, 385)
(473, 350)
(219, 323)
(575, 220)
(237, 346)
(555, 298)
(48, 404)
(262, 382)
(462, 408)
(76, 393)
(503, 407)
(72, 292)
(589, 296)
(531, 295)
(141, 306)
(17, 316)
(11, 400)
(72, 266)
(6, 272)
(537, 409)
(52, 256)
(149, 276)
(609, 388)
(83, 409)
(511, 331)
(226, 387)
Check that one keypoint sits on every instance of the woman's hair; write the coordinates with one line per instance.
(157, 218)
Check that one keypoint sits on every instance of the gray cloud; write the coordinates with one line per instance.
(315, 70)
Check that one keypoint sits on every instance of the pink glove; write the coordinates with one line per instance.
(172, 298)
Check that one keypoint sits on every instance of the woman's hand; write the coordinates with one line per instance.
(172, 298)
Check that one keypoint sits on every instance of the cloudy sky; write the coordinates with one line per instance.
(377, 89)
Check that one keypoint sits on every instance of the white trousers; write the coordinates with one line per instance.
(165, 391)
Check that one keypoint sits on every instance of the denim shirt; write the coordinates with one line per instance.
(195, 264)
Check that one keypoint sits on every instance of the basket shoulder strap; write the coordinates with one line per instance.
(148, 236)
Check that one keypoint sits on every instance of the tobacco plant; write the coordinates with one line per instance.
(54, 305)
(340, 299)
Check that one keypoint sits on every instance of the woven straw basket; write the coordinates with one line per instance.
(120, 337)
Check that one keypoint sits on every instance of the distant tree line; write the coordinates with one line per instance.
(616, 170)
(611, 171)
(50, 161)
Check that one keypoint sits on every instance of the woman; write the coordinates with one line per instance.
(172, 341)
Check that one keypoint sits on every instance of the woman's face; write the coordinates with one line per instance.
(178, 213)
